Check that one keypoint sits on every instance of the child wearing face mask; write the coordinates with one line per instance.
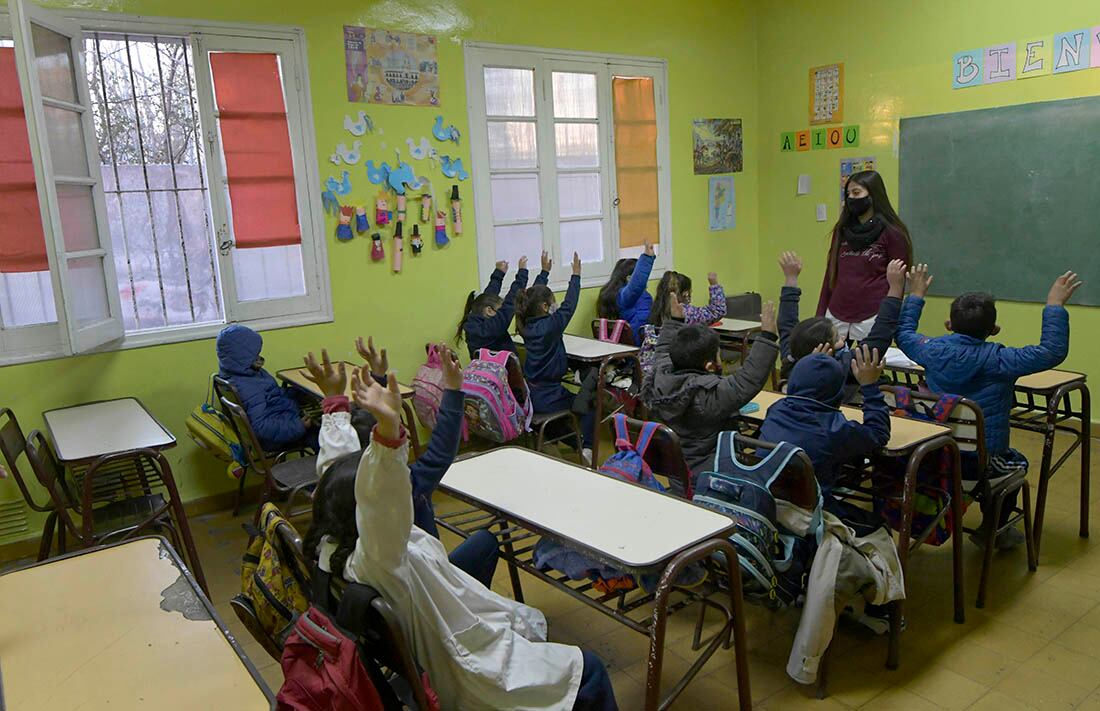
(541, 322)
(687, 391)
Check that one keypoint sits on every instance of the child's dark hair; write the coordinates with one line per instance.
(529, 303)
(607, 303)
(693, 347)
(810, 334)
(476, 304)
(334, 513)
(974, 314)
(671, 281)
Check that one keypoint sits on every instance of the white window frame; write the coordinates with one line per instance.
(478, 56)
(290, 44)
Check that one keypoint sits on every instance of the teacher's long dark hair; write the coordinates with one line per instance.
(880, 201)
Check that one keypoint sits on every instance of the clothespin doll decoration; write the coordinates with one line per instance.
(343, 230)
(416, 242)
(361, 224)
(398, 248)
(400, 209)
(382, 212)
(377, 252)
(456, 210)
(441, 228)
(426, 208)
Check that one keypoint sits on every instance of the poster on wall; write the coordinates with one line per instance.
(721, 203)
(849, 167)
(717, 146)
(827, 94)
(385, 67)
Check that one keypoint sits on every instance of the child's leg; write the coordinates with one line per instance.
(595, 693)
(477, 556)
(1006, 508)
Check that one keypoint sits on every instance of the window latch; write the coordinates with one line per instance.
(616, 201)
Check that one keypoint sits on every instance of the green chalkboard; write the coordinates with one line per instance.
(1006, 199)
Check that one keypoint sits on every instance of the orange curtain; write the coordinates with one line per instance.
(636, 160)
(22, 242)
(256, 143)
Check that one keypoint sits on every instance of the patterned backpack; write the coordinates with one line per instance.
(427, 387)
(498, 403)
(628, 462)
(269, 588)
(773, 561)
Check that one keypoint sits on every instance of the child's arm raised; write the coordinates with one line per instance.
(715, 308)
(496, 279)
(789, 296)
(543, 277)
(909, 341)
(1054, 339)
(740, 388)
(874, 432)
(564, 313)
(430, 467)
(337, 437)
(498, 323)
(634, 288)
(886, 323)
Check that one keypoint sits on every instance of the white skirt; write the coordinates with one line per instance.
(851, 331)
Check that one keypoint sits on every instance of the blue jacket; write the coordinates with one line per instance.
(982, 371)
(428, 469)
(546, 361)
(808, 417)
(634, 301)
(274, 414)
(492, 331)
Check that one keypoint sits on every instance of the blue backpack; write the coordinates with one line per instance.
(628, 462)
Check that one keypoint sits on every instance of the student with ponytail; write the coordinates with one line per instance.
(624, 296)
(486, 318)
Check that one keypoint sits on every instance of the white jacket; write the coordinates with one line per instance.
(481, 650)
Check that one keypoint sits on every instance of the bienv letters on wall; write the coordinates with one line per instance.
(1059, 53)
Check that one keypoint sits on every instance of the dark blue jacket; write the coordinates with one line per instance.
(274, 414)
(492, 331)
(546, 360)
(634, 301)
(429, 468)
(982, 371)
(808, 417)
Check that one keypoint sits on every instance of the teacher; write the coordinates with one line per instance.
(868, 235)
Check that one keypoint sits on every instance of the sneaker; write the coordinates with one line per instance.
(586, 456)
(1008, 539)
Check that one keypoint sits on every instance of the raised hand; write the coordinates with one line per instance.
(767, 318)
(379, 363)
(502, 266)
(713, 278)
(576, 264)
(547, 262)
(895, 277)
(523, 262)
(1063, 289)
(675, 308)
(332, 380)
(791, 264)
(823, 349)
(649, 249)
(382, 402)
(452, 369)
(919, 280)
(866, 366)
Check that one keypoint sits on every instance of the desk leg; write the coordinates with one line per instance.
(957, 532)
(1047, 469)
(1086, 451)
(598, 418)
(513, 571)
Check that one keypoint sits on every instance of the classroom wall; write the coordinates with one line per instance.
(897, 62)
(712, 74)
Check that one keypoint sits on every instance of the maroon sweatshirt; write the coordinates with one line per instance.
(861, 278)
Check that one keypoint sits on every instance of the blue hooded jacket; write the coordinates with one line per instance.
(809, 417)
(982, 371)
(634, 301)
(275, 416)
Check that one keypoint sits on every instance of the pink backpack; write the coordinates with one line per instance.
(498, 403)
(428, 387)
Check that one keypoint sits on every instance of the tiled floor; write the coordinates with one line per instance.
(1035, 645)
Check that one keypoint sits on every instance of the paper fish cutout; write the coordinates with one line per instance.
(330, 203)
(340, 188)
(453, 169)
(358, 128)
(421, 151)
(378, 175)
(444, 134)
(351, 157)
(402, 175)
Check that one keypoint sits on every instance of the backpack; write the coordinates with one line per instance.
(628, 462)
(774, 562)
(498, 403)
(208, 426)
(428, 388)
(616, 330)
(268, 585)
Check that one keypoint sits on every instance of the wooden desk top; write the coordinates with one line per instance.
(297, 378)
(102, 629)
(627, 523)
(84, 432)
(736, 325)
(588, 349)
(1048, 380)
(905, 433)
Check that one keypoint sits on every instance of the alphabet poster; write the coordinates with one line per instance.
(827, 94)
(385, 67)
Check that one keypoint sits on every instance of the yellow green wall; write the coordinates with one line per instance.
(710, 48)
(897, 62)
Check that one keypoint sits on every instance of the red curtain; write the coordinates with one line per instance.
(256, 143)
(22, 242)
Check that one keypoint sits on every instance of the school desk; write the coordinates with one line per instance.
(122, 627)
(529, 495)
(738, 331)
(1042, 404)
(913, 440)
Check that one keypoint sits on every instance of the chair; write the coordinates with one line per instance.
(746, 306)
(612, 331)
(13, 443)
(283, 476)
(967, 423)
(663, 456)
(541, 420)
(117, 501)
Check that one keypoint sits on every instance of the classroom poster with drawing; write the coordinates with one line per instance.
(850, 166)
(385, 67)
(827, 94)
(722, 205)
(717, 146)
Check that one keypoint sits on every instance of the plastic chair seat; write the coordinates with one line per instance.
(296, 473)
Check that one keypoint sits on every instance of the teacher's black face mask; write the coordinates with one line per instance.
(858, 206)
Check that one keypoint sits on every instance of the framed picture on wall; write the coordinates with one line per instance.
(827, 94)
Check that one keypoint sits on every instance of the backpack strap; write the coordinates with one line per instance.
(434, 360)
(944, 405)
(725, 451)
(903, 398)
(603, 329)
(498, 357)
(618, 332)
(622, 436)
(649, 429)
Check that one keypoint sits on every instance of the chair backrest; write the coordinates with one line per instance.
(250, 444)
(966, 420)
(626, 334)
(13, 444)
(293, 554)
(664, 455)
(745, 306)
(51, 476)
(796, 483)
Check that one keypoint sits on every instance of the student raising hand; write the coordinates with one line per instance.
(332, 380)
(1063, 289)
(767, 318)
(712, 278)
(382, 402)
(895, 277)
(547, 262)
(452, 369)
(502, 266)
(866, 365)
(649, 249)
(576, 264)
(379, 363)
(675, 308)
(919, 280)
(791, 264)
(523, 262)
